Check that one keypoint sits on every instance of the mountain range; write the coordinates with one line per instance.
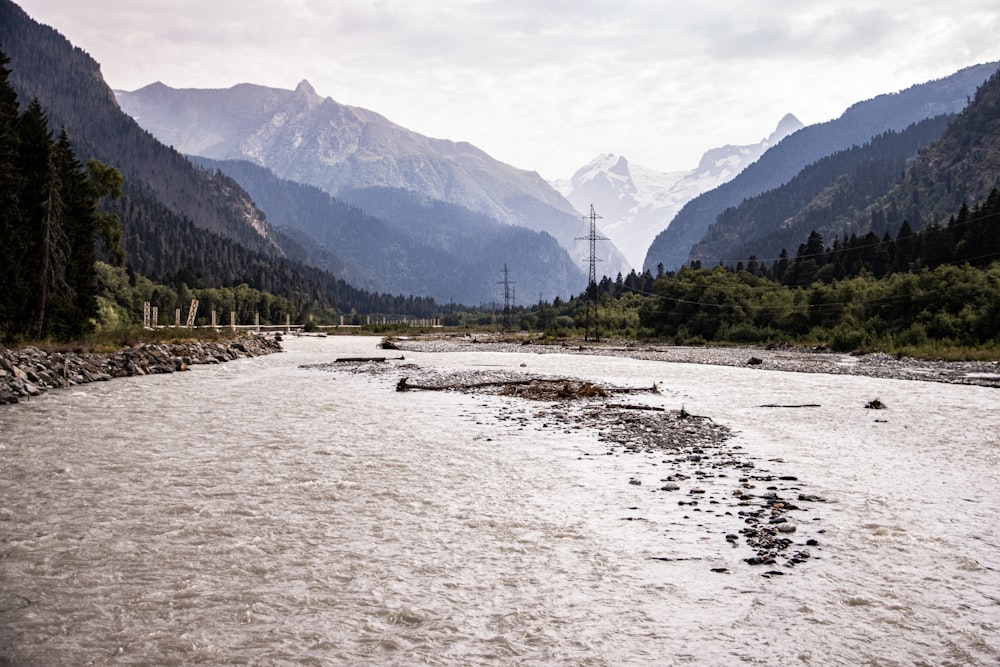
(637, 202)
(314, 140)
(186, 223)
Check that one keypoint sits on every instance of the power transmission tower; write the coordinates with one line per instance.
(592, 283)
(508, 297)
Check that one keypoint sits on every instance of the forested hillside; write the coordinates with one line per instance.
(394, 240)
(830, 196)
(856, 126)
(919, 175)
(180, 224)
(963, 167)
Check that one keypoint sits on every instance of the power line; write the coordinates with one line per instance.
(593, 238)
(508, 297)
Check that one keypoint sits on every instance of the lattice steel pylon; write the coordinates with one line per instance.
(508, 297)
(593, 237)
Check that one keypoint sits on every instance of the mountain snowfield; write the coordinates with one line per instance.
(636, 203)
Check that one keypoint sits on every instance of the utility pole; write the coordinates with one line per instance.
(592, 283)
(508, 297)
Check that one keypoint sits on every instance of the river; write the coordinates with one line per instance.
(263, 512)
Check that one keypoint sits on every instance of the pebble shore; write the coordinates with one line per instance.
(780, 358)
(30, 371)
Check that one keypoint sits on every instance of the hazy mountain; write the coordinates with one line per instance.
(180, 223)
(394, 240)
(637, 202)
(857, 125)
(310, 139)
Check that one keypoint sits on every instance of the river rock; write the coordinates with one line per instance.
(30, 371)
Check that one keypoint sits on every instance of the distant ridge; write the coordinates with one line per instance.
(309, 139)
(858, 124)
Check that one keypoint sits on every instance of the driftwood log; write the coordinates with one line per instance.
(563, 388)
(800, 405)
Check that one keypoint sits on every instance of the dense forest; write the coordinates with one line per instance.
(50, 225)
(941, 284)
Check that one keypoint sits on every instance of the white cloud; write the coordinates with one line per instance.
(546, 84)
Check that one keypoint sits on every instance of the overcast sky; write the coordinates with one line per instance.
(547, 85)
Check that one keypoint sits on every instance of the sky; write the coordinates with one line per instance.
(547, 85)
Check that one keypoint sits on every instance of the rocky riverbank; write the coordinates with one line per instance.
(30, 371)
(783, 358)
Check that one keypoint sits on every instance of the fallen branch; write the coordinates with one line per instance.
(801, 405)
(538, 388)
(404, 384)
(630, 406)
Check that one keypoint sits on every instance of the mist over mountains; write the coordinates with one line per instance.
(637, 202)
(314, 140)
(655, 219)
(293, 192)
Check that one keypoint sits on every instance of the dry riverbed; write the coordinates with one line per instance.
(770, 516)
(792, 359)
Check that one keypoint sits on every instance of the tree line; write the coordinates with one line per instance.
(972, 237)
(50, 225)
(937, 287)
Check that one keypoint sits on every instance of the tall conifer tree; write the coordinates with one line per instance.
(9, 188)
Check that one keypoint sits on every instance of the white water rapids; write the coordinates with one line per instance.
(261, 513)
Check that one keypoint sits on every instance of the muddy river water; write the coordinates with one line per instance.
(265, 512)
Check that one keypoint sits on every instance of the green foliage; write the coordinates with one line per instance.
(953, 306)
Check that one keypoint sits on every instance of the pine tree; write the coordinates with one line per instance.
(10, 186)
(50, 227)
(37, 205)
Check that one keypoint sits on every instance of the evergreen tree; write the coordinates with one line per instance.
(50, 226)
(32, 237)
(9, 188)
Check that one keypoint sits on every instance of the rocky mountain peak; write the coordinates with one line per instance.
(787, 125)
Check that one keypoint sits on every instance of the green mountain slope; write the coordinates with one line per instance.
(856, 126)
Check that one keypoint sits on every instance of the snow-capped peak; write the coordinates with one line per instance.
(637, 203)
